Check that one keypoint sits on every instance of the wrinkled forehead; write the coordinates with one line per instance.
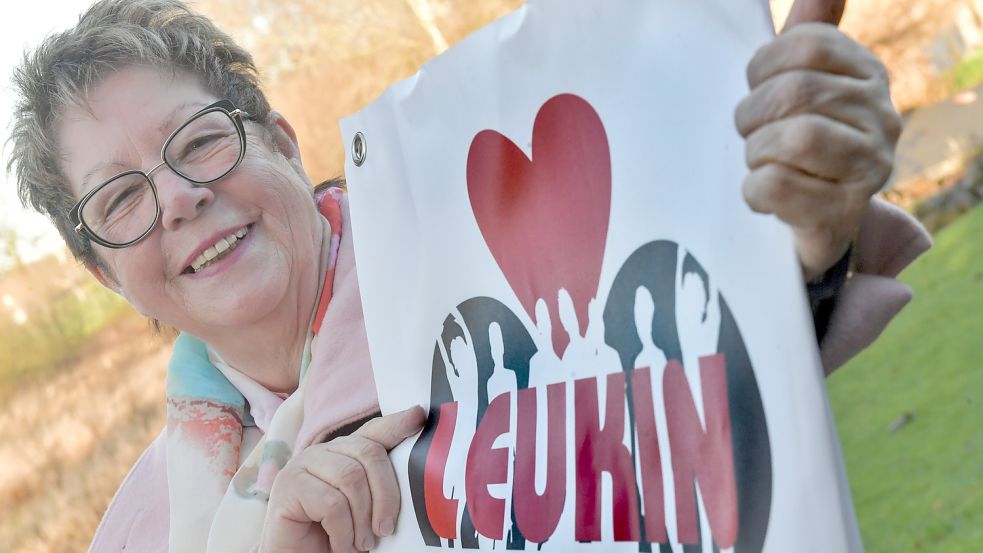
(122, 121)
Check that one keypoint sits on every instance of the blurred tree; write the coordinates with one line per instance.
(903, 34)
(907, 35)
(10, 256)
(321, 61)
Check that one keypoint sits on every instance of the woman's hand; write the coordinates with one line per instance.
(820, 130)
(343, 492)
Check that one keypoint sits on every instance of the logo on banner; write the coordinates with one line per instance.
(639, 420)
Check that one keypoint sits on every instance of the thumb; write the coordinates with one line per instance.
(390, 430)
(815, 11)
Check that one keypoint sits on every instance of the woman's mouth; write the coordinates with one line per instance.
(216, 251)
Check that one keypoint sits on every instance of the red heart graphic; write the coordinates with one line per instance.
(545, 220)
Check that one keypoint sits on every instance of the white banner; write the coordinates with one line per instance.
(555, 258)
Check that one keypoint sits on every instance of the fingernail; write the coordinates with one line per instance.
(368, 542)
(387, 527)
(417, 424)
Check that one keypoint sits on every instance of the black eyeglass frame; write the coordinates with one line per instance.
(224, 106)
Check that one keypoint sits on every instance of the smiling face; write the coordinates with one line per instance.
(257, 227)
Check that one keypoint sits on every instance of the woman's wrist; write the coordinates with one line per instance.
(823, 291)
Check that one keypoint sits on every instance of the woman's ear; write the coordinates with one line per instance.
(284, 136)
(104, 276)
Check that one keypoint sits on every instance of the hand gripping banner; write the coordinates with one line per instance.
(556, 260)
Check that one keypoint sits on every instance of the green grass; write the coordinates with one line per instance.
(921, 488)
(968, 72)
(54, 335)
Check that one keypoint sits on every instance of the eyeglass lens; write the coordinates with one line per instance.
(203, 150)
(122, 210)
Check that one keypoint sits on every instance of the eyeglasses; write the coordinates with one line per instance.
(125, 209)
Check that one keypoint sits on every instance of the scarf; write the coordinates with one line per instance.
(220, 466)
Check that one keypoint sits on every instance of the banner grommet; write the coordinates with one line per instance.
(358, 149)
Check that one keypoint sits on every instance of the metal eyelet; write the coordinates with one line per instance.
(359, 149)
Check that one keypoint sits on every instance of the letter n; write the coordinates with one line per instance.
(703, 456)
(600, 450)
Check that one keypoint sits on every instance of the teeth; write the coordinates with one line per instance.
(216, 250)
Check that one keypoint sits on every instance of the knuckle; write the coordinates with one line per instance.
(878, 85)
(776, 187)
(351, 474)
(742, 119)
(800, 87)
(763, 189)
(874, 102)
(370, 451)
(752, 195)
(802, 137)
(761, 146)
(751, 150)
(814, 48)
(334, 506)
(867, 145)
(276, 505)
(282, 483)
(876, 92)
(878, 71)
(883, 165)
(753, 70)
(892, 124)
(747, 189)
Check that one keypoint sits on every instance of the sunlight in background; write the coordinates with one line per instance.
(23, 27)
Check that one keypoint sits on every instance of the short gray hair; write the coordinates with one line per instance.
(111, 35)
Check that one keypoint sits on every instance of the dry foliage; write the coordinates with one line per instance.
(901, 33)
(66, 442)
(323, 60)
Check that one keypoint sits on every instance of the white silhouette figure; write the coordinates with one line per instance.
(698, 321)
(544, 366)
(655, 358)
(586, 355)
(606, 357)
(462, 375)
(650, 356)
(502, 380)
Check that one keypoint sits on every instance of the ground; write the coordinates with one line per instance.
(909, 408)
(67, 442)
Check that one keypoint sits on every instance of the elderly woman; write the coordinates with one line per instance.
(143, 134)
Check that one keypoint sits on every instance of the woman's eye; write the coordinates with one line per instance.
(128, 194)
(199, 143)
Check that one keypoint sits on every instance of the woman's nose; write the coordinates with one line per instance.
(180, 200)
